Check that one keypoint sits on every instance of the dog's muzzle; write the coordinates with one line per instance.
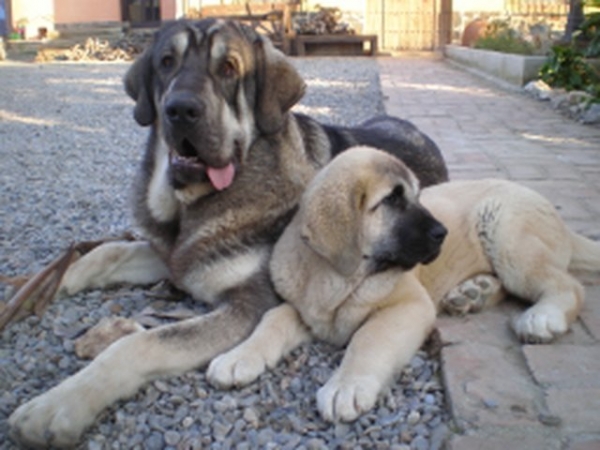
(436, 236)
(183, 111)
(184, 114)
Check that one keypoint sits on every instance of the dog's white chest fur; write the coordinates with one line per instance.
(210, 280)
(331, 305)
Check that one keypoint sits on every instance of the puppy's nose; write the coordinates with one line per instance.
(438, 233)
(183, 110)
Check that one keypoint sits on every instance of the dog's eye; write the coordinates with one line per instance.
(396, 198)
(228, 69)
(167, 62)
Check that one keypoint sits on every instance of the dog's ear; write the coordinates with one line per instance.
(331, 223)
(279, 86)
(138, 85)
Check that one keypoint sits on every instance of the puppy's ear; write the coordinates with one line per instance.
(279, 86)
(138, 85)
(331, 224)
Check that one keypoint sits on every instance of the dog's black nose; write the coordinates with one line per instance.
(438, 233)
(183, 110)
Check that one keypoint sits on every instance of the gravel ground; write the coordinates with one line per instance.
(69, 148)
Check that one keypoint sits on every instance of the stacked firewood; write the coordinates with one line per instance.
(323, 21)
(94, 49)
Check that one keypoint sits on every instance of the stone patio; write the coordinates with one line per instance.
(502, 394)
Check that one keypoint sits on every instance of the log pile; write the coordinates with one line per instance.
(323, 21)
(94, 49)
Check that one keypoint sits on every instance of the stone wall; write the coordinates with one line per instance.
(540, 23)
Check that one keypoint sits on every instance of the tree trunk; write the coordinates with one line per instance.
(574, 20)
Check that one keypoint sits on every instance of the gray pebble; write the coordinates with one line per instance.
(490, 403)
(94, 445)
(417, 362)
(187, 422)
(265, 436)
(64, 363)
(251, 416)
(419, 443)
(421, 429)
(243, 446)
(201, 393)
(154, 442)
(293, 442)
(413, 417)
(136, 439)
(438, 437)
(206, 418)
(221, 429)
(430, 399)
(316, 444)
(172, 437)
(341, 430)
(161, 386)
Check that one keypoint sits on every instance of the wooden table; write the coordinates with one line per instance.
(335, 43)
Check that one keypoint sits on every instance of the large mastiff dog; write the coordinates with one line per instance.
(225, 166)
(358, 265)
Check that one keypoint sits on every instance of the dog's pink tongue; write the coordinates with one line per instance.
(221, 178)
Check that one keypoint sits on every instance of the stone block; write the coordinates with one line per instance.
(490, 327)
(588, 444)
(564, 365)
(516, 70)
(489, 385)
(511, 441)
(590, 315)
(579, 408)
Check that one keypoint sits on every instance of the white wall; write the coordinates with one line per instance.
(345, 5)
(478, 5)
(35, 14)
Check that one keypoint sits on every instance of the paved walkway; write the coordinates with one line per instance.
(504, 395)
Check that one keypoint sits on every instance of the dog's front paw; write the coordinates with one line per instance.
(235, 368)
(54, 419)
(344, 399)
(472, 295)
(540, 324)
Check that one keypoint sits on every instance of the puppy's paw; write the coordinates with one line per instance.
(235, 368)
(56, 418)
(472, 295)
(345, 399)
(540, 324)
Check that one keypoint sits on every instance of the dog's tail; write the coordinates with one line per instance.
(586, 253)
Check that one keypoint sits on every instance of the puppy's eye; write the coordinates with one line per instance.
(228, 69)
(167, 62)
(396, 198)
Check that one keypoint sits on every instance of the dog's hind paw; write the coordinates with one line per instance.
(473, 295)
(345, 399)
(235, 369)
(540, 324)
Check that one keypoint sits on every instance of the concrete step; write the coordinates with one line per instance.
(78, 33)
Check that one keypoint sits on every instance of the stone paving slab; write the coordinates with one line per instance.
(518, 441)
(502, 394)
(591, 312)
(591, 444)
(547, 364)
(577, 408)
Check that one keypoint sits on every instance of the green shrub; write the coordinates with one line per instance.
(501, 38)
(566, 68)
(589, 33)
